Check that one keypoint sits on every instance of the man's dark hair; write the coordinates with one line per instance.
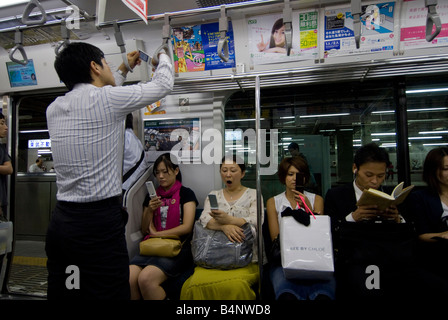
(129, 121)
(2, 116)
(371, 152)
(72, 64)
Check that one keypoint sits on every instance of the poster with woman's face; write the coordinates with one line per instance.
(267, 39)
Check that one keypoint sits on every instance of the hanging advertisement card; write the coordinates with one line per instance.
(267, 38)
(195, 48)
(413, 27)
(377, 30)
(140, 7)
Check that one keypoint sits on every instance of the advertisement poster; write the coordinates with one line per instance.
(377, 30)
(413, 27)
(20, 75)
(267, 38)
(140, 7)
(195, 48)
(180, 137)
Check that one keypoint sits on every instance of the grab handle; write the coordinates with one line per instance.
(356, 14)
(18, 37)
(432, 19)
(26, 19)
(223, 43)
(166, 43)
(65, 35)
(287, 22)
(120, 42)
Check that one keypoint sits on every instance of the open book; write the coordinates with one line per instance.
(384, 200)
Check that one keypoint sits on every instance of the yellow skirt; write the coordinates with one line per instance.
(214, 284)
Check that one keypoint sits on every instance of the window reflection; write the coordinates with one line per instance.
(330, 121)
(34, 144)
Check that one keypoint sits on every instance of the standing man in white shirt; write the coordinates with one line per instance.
(86, 246)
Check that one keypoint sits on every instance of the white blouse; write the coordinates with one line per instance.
(245, 207)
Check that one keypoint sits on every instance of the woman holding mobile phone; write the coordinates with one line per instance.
(171, 212)
(294, 173)
(237, 205)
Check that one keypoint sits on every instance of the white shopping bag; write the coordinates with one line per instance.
(306, 251)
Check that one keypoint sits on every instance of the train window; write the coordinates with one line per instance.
(427, 112)
(34, 144)
(330, 121)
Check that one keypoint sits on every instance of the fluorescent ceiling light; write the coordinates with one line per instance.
(7, 3)
(436, 144)
(384, 134)
(33, 131)
(428, 109)
(241, 120)
(433, 132)
(326, 115)
(426, 90)
(288, 117)
(425, 138)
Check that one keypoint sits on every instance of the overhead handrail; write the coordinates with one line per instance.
(432, 19)
(287, 22)
(120, 42)
(166, 43)
(18, 39)
(223, 43)
(28, 9)
(65, 34)
(356, 14)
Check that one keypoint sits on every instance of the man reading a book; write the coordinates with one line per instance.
(364, 235)
(369, 170)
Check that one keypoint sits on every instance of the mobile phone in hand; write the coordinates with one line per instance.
(300, 177)
(213, 201)
(151, 189)
(144, 56)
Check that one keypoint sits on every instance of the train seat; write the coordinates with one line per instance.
(133, 202)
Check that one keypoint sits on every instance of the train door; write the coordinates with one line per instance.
(32, 193)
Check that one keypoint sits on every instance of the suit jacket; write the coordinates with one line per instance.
(339, 202)
(426, 209)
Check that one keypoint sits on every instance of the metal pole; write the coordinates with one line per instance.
(403, 160)
(260, 212)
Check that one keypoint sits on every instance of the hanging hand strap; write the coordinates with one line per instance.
(18, 37)
(356, 14)
(120, 42)
(28, 9)
(223, 43)
(432, 19)
(287, 22)
(166, 43)
(65, 35)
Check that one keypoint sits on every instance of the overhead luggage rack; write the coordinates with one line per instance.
(356, 71)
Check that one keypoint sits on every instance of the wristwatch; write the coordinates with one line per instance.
(121, 73)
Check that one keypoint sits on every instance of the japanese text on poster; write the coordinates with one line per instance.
(267, 38)
(377, 30)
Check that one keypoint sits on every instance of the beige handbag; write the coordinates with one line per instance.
(167, 246)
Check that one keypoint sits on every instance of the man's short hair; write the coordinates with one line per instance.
(72, 64)
(371, 152)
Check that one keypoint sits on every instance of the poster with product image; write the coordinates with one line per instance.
(377, 30)
(413, 25)
(266, 35)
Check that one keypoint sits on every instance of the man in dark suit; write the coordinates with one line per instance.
(364, 236)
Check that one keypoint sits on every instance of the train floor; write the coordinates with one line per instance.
(28, 274)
